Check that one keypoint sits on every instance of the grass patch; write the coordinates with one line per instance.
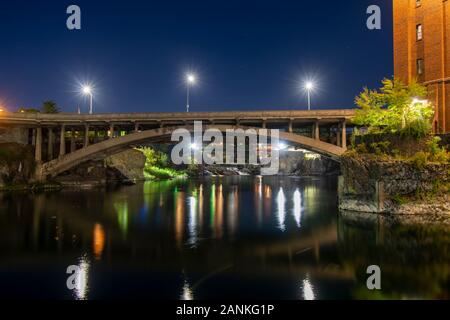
(156, 173)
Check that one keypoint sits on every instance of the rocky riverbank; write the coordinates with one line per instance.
(17, 165)
(291, 163)
(370, 184)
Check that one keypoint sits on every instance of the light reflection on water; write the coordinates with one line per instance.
(223, 237)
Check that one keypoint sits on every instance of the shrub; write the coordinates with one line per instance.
(157, 165)
(420, 160)
(361, 148)
(437, 153)
(380, 148)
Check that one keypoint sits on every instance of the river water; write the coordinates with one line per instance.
(214, 238)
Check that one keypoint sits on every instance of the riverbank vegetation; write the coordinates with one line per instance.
(157, 165)
(396, 123)
(395, 144)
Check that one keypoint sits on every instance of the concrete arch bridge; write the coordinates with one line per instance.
(88, 137)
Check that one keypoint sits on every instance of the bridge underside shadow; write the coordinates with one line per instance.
(114, 145)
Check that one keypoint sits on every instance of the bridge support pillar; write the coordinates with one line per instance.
(136, 127)
(62, 141)
(264, 124)
(86, 135)
(38, 146)
(338, 136)
(344, 134)
(73, 146)
(316, 130)
(291, 122)
(111, 131)
(95, 136)
(33, 137)
(50, 144)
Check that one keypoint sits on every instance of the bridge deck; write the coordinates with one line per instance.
(157, 117)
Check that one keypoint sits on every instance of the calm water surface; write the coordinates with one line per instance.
(230, 237)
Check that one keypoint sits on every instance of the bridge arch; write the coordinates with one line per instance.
(115, 145)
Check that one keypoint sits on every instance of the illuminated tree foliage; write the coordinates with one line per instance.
(50, 107)
(395, 108)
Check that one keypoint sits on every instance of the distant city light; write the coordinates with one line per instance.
(194, 146)
(2, 110)
(282, 146)
(421, 101)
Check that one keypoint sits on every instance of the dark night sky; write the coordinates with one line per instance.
(249, 55)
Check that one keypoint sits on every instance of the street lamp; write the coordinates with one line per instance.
(190, 80)
(87, 90)
(309, 86)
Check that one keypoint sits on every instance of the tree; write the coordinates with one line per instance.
(395, 108)
(50, 107)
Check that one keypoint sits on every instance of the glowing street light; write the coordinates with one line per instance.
(309, 86)
(190, 81)
(2, 110)
(87, 90)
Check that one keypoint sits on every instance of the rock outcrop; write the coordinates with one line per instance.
(372, 185)
(125, 166)
(129, 163)
(298, 163)
(17, 164)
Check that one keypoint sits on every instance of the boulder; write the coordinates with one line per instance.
(129, 163)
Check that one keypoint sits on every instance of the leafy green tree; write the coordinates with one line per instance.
(395, 108)
(50, 107)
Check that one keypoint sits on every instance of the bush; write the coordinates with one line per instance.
(157, 165)
(420, 160)
(380, 148)
(361, 148)
(437, 153)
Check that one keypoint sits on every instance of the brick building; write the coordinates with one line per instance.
(422, 51)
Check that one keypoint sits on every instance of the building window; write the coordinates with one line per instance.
(420, 67)
(419, 32)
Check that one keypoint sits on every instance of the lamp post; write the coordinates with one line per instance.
(309, 86)
(190, 80)
(87, 90)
